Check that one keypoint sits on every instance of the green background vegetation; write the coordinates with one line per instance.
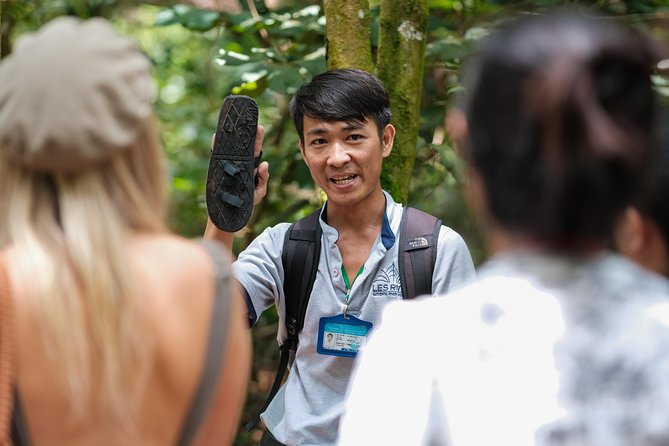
(200, 56)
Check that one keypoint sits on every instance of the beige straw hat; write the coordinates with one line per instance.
(71, 95)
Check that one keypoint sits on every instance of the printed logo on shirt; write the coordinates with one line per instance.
(387, 283)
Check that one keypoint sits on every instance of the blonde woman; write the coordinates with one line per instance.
(125, 334)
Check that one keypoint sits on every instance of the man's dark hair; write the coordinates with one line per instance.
(346, 95)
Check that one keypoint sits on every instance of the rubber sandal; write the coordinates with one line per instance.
(230, 180)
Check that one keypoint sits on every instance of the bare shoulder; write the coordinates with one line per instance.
(170, 248)
(177, 277)
(173, 259)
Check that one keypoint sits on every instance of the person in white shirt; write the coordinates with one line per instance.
(560, 342)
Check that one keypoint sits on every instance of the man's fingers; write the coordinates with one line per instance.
(262, 174)
(260, 134)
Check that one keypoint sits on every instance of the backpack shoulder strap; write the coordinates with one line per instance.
(419, 234)
(301, 253)
(300, 256)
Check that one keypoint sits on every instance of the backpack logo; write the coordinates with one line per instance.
(387, 283)
(418, 242)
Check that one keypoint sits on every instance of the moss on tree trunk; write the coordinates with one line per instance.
(348, 34)
(402, 29)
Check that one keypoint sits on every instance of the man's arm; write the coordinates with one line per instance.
(454, 267)
(212, 232)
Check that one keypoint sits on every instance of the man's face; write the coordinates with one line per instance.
(345, 158)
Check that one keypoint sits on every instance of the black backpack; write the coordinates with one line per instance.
(419, 233)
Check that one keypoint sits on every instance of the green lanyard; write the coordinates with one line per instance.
(348, 286)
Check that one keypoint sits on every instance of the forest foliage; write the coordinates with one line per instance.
(200, 56)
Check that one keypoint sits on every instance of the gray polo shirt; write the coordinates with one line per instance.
(307, 409)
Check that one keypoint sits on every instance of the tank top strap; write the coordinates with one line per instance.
(218, 330)
(19, 428)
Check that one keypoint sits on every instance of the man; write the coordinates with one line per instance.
(343, 121)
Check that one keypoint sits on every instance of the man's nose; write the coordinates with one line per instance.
(339, 155)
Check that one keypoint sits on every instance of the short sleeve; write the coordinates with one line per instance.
(454, 267)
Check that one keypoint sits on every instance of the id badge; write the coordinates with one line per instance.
(342, 336)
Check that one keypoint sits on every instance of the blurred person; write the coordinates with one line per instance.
(124, 333)
(560, 342)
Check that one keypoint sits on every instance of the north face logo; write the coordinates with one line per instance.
(387, 283)
(418, 242)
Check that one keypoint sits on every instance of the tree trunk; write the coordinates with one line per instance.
(348, 32)
(6, 26)
(402, 35)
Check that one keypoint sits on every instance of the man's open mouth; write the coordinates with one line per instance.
(341, 181)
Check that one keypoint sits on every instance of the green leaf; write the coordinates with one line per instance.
(250, 24)
(314, 62)
(476, 33)
(292, 25)
(447, 49)
(183, 184)
(199, 19)
(309, 11)
(188, 16)
(166, 17)
(440, 4)
(229, 57)
(237, 77)
(285, 79)
(254, 76)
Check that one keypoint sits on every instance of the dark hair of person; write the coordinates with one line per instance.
(346, 95)
(560, 110)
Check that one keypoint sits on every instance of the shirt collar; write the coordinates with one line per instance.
(388, 237)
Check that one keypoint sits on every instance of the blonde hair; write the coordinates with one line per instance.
(70, 233)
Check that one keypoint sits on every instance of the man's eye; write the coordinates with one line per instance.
(318, 141)
(355, 137)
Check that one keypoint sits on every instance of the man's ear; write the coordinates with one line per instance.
(387, 140)
(300, 144)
